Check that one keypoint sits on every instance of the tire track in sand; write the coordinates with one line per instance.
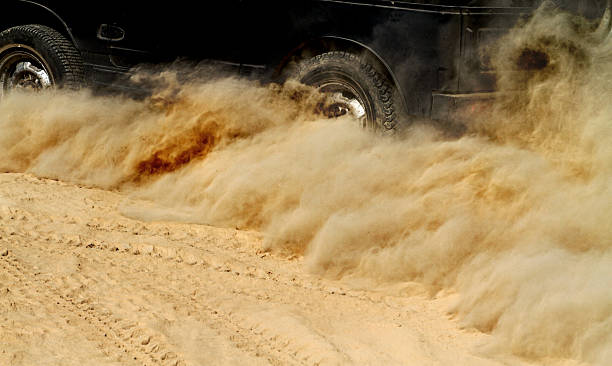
(118, 339)
(273, 349)
(126, 334)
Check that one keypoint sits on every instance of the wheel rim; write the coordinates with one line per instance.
(344, 100)
(22, 68)
(344, 97)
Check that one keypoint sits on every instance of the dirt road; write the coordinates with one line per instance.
(82, 285)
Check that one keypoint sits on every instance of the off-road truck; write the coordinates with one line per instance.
(380, 59)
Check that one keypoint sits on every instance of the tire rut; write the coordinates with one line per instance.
(220, 321)
(119, 339)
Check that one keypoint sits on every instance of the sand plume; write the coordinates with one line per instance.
(514, 216)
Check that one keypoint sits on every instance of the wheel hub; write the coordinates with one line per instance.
(342, 106)
(22, 68)
(28, 76)
(343, 101)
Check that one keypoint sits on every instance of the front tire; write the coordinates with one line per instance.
(355, 86)
(36, 57)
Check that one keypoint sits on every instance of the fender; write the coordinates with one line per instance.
(35, 12)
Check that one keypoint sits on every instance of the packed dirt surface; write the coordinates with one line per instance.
(82, 285)
(228, 222)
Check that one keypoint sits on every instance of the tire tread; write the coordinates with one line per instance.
(69, 59)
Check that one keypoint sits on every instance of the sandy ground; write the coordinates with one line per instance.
(83, 285)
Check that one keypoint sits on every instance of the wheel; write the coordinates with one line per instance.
(355, 87)
(36, 57)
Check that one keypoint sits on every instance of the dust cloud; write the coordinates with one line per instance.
(514, 216)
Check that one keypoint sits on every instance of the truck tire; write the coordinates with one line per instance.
(36, 57)
(355, 87)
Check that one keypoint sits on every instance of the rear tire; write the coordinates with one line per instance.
(38, 57)
(356, 85)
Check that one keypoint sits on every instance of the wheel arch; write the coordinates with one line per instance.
(325, 44)
(25, 12)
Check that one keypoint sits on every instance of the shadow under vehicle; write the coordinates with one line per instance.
(378, 59)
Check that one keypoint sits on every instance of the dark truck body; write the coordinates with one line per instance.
(430, 49)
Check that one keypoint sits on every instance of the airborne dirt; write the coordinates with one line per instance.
(492, 248)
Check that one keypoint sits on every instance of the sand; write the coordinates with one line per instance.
(82, 284)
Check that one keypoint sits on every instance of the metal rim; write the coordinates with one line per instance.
(23, 68)
(345, 100)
